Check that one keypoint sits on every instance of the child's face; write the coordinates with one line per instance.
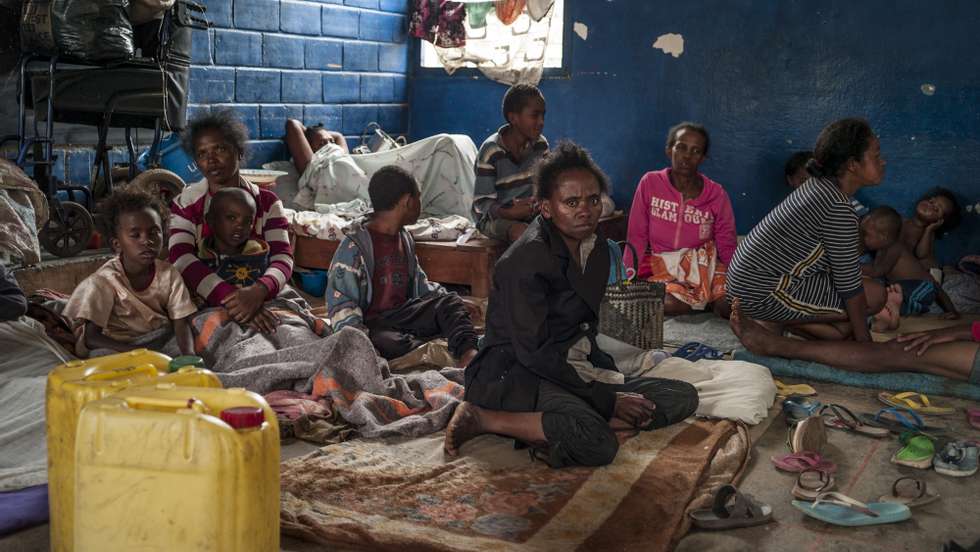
(529, 121)
(871, 236)
(797, 179)
(319, 139)
(934, 209)
(231, 222)
(139, 237)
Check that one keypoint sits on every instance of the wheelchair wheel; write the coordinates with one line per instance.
(68, 235)
(162, 183)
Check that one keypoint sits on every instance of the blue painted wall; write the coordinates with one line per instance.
(764, 77)
(343, 63)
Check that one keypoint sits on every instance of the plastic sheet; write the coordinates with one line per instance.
(88, 30)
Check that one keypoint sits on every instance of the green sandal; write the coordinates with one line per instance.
(917, 452)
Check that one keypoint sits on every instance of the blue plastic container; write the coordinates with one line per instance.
(313, 282)
(173, 158)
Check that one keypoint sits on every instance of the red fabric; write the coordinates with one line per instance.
(976, 331)
(389, 281)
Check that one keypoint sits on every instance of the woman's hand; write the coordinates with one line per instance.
(921, 341)
(243, 303)
(634, 409)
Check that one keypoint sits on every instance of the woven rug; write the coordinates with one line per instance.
(403, 496)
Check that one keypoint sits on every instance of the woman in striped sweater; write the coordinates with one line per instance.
(218, 142)
(799, 266)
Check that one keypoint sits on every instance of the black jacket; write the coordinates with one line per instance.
(541, 304)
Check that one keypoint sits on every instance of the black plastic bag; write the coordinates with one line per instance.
(88, 30)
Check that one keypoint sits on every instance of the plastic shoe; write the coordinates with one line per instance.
(956, 459)
(840, 509)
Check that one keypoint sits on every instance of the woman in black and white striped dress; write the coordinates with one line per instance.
(799, 266)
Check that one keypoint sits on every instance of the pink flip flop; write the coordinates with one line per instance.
(803, 461)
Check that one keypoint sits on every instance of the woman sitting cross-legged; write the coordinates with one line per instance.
(539, 376)
(682, 226)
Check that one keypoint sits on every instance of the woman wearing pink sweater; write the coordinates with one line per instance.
(683, 227)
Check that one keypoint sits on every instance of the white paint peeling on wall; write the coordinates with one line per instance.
(928, 89)
(670, 43)
(581, 29)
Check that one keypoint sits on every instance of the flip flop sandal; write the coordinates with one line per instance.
(695, 351)
(811, 483)
(917, 452)
(730, 510)
(898, 419)
(973, 416)
(840, 509)
(914, 401)
(796, 409)
(911, 492)
(840, 417)
(957, 459)
(803, 461)
(808, 435)
(797, 390)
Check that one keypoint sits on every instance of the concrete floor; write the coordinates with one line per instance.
(864, 473)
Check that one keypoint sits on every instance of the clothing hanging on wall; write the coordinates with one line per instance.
(509, 10)
(537, 9)
(439, 22)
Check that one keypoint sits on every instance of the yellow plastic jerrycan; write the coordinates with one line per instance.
(73, 384)
(166, 468)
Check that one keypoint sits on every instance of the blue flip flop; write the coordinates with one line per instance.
(695, 351)
(840, 509)
(898, 420)
(796, 409)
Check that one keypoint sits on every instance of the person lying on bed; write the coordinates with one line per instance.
(135, 293)
(952, 352)
(503, 201)
(218, 143)
(231, 252)
(540, 377)
(375, 282)
(303, 142)
(13, 303)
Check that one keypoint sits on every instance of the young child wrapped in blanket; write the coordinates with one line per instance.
(231, 251)
(897, 264)
(135, 293)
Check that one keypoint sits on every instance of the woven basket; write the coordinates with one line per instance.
(632, 311)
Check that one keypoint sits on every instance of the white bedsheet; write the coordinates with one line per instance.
(731, 389)
(28, 356)
(442, 164)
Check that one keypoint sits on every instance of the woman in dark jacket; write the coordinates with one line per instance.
(539, 376)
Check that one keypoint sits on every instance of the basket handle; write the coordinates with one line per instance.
(173, 404)
(636, 261)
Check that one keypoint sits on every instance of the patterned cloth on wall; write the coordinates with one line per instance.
(439, 22)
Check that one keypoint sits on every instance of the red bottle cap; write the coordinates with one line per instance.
(243, 417)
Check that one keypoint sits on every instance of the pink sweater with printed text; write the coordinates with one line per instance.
(661, 220)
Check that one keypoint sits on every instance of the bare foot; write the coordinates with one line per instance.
(464, 425)
(466, 359)
(888, 318)
(755, 338)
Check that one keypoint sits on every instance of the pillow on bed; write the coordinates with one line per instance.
(287, 185)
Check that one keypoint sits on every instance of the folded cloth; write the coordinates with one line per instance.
(693, 276)
(24, 508)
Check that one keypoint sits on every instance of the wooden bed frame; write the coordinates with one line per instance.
(470, 264)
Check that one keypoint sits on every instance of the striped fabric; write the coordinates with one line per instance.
(188, 229)
(802, 259)
(499, 179)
